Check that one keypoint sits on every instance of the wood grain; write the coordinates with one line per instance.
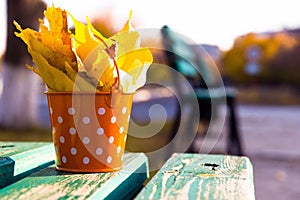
(19, 159)
(196, 176)
(52, 184)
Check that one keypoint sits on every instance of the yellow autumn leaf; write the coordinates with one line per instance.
(132, 62)
(63, 51)
(92, 49)
(54, 58)
(84, 39)
(81, 83)
(101, 67)
(127, 41)
(58, 24)
(55, 79)
(58, 36)
(96, 33)
(135, 65)
(85, 61)
(128, 26)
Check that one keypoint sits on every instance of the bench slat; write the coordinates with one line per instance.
(196, 176)
(52, 184)
(19, 159)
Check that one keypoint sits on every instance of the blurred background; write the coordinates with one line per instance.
(255, 46)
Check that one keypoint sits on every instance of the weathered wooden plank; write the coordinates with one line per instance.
(196, 176)
(52, 184)
(19, 159)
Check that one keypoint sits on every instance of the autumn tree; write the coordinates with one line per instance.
(270, 46)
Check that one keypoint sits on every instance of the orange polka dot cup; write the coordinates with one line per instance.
(89, 129)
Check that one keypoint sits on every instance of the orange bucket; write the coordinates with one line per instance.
(89, 129)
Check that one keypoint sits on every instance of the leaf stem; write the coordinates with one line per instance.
(112, 56)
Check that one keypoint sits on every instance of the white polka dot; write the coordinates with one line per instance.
(124, 109)
(86, 160)
(111, 139)
(72, 131)
(99, 151)
(64, 159)
(101, 111)
(71, 111)
(73, 151)
(118, 149)
(51, 110)
(86, 140)
(53, 130)
(100, 131)
(109, 159)
(113, 119)
(121, 130)
(86, 120)
(60, 119)
(62, 139)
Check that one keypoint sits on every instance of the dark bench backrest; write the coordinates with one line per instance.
(189, 61)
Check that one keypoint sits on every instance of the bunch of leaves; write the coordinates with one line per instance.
(86, 60)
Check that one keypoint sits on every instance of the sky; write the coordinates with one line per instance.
(216, 22)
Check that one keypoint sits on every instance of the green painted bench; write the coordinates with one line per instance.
(183, 176)
(190, 62)
(19, 159)
(48, 183)
(197, 176)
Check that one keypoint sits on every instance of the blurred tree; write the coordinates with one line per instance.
(19, 100)
(270, 46)
(286, 67)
